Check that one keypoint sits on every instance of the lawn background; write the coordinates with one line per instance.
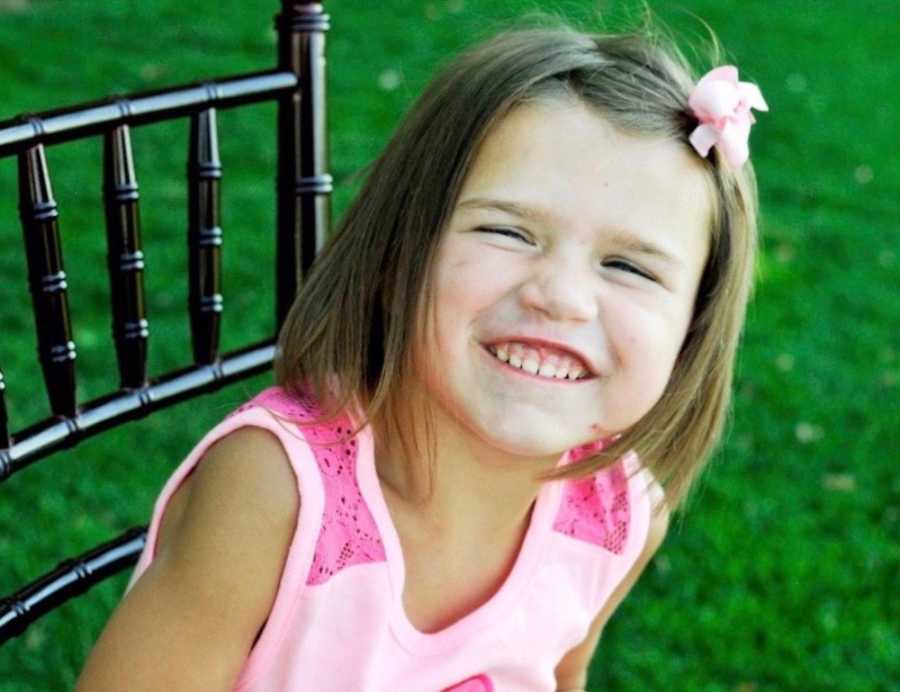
(779, 577)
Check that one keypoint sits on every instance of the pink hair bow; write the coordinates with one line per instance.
(722, 105)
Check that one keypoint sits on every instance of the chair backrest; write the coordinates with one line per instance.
(303, 188)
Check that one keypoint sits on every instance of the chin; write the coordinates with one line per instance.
(532, 442)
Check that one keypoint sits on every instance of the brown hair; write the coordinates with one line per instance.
(347, 337)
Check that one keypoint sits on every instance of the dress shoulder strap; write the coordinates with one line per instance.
(609, 509)
(348, 534)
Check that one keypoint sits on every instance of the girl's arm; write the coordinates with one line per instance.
(190, 620)
(572, 670)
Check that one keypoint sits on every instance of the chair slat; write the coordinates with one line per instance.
(54, 433)
(303, 184)
(125, 258)
(84, 120)
(47, 280)
(69, 579)
(204, 237)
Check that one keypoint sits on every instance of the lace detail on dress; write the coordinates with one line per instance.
(349, 535)
(596, 509)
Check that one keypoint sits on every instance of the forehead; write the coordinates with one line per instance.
(568, 161)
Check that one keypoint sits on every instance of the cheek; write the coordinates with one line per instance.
(464, 290)
(646, 349)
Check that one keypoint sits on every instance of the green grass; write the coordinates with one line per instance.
(779, 577)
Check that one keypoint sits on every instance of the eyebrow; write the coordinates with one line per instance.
(619, 236)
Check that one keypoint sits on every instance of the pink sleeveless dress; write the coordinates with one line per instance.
(338, 624)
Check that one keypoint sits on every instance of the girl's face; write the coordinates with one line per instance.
(571, 232)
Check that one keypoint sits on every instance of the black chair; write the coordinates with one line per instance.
(303, 186)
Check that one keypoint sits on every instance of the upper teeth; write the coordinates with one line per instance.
(529, 359)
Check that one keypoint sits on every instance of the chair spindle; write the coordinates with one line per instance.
(125, 258)
(47, 280)
(204, 237)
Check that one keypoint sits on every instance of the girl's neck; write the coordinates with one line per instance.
(476, 490)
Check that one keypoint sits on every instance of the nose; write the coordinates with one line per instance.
(560, 291)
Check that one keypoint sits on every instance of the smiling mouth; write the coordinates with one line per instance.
(529, 369)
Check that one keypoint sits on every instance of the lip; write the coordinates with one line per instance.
(539, 343)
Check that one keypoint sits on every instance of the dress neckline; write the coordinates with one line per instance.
(492, 611)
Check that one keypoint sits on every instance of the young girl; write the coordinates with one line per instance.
(504, 372)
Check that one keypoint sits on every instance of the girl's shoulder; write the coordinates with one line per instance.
(236, 512)
(245, 468)
(244, 479)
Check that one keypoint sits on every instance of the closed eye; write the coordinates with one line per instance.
(509, 232)
(629, 267)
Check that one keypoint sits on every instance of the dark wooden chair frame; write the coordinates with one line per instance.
(304, 187)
